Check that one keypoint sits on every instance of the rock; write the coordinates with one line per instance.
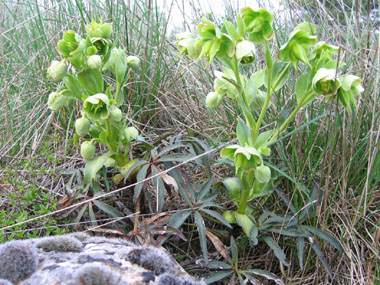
(81, 259)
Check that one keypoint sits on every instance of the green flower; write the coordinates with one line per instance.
(57, 70)
(213, 100)
(100, 44)
(131, 133)
(69, 43)
(258, 24)
(212, 42)
(95, 30)
(87, 150)
(324, 81)
(186, 45)
(350, 88)
(96, 107)
(223, 87)
(245, 158)
(94, 61)
(82, 126)
(133, 61)
(56, 101)
(299, 44)
(323, 49)
(245, 52)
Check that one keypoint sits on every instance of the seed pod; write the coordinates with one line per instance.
(133, 61)
(87, 150)
(94, 61)
(57, 70)
(131, 133)
(82, 126)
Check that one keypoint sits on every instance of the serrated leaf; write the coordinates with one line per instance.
(216, 264)
(300, 249)
(93, 166)
(141, 175)
(109, 210)
(202, 234)
(179, 218)
(217, 216)
(286, 200)
(205, 189)
(278, 252)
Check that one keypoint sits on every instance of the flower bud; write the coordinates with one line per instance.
(133, 61)
(82, 126)
(115, 114)
(56, 101)
(57, 70)
(94, 61)
(95, 30)
(87, 150)
(131, 133)
(213, 100)
(263, 173)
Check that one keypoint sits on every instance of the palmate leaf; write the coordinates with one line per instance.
(278, 252)
(323, 235)
(202, 234)
(170, 148)
(178, 157)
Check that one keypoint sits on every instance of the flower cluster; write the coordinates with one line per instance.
(84, 62)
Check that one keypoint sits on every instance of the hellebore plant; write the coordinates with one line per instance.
(235, 46)
(85, 62)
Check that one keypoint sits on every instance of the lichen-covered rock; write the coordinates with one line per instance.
(78, 258)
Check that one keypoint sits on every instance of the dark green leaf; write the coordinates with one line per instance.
(300, 248)
(217, 216)
(278, 252)
(109, 210)
(234, 251)
(268, 275)
(179, 157)
(169, 148)
(323, 235)
(254, 232)
(202, 234)
(216, 264)
(205, 189)
(134, 166)
(159, 187)
(179, 218)
(320, 255)
(216, 276)
(141, 175)
(286, 200)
